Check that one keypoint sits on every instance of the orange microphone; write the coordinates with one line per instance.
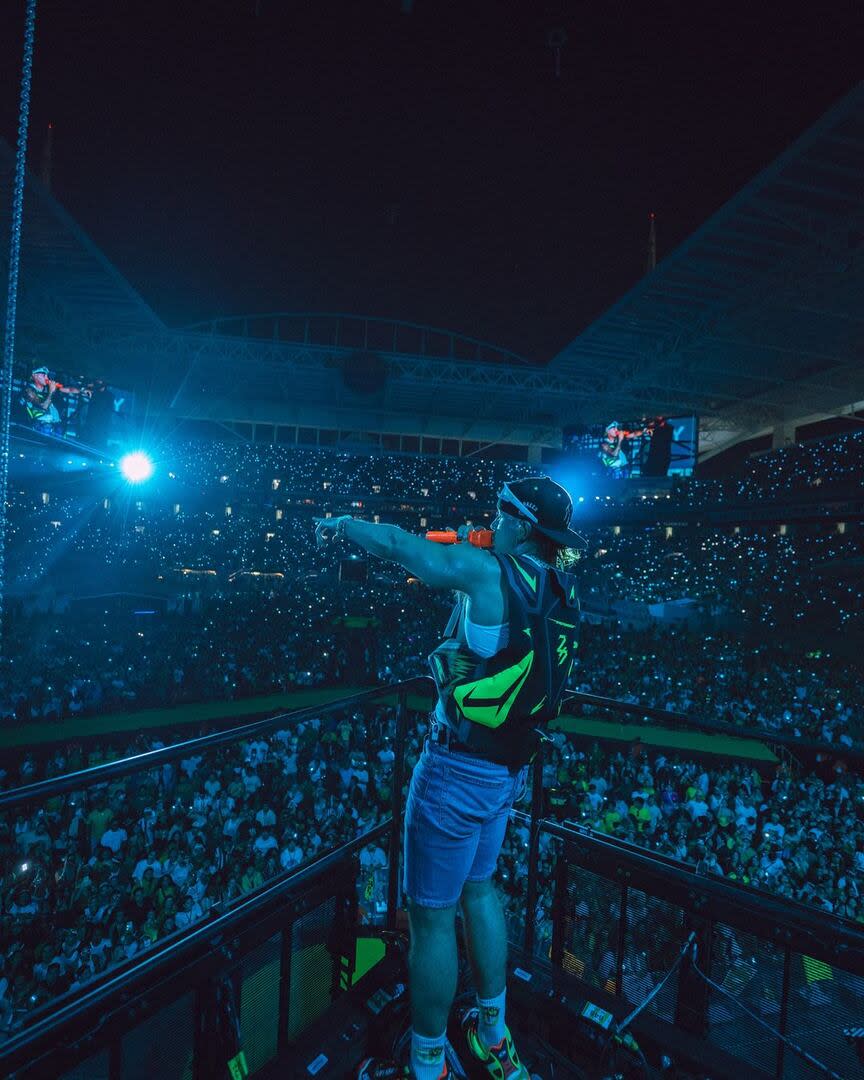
(481, 538)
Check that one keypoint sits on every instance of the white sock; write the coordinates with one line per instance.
(490, 1027)
(427, 1055)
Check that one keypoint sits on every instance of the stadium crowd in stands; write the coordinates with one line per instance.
(93, 879)
(231, 642)
(821, 468)
(799, 837)
(820, 465)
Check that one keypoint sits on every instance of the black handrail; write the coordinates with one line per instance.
(713, 727)
(97, 774)
(171, 952)
(791, 926)
(624, 861)
(396, 820)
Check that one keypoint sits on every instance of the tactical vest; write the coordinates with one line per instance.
(34, 408)
(498, 706)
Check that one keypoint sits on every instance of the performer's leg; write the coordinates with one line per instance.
(485, 937)
(432, 967)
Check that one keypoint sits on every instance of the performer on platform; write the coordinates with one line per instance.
(500, 672)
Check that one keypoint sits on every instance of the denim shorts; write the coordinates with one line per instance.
(455, 819)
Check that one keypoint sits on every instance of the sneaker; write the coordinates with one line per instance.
(500, 1061)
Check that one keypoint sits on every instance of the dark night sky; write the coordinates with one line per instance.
(428, 167)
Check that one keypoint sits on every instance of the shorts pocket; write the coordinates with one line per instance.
(468, 774)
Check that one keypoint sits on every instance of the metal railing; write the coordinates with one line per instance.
(67, 1021)
(789, 744)
(771, 984)
(612, 915)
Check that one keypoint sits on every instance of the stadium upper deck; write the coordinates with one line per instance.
(753, 323)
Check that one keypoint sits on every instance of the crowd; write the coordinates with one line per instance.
(224, 653)
(95, 878)
(242, 603)
(228, 655)
(764, 683)
(783, 666)
(767, 578)
(235, 601)
(800, 837)
(829, 467)
(817, 466)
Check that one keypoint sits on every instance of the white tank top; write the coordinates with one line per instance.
(485, 640)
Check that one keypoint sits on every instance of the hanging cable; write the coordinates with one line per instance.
(621, 1027)
(12, 292)
(812, 1061)
(618, 1033)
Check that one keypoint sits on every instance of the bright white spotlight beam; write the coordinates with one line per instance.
(136, 467)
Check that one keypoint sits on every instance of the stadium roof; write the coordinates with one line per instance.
(757, 317)
(363, 374)
(71, 299)
(753, 321)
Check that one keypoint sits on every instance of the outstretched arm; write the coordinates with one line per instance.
(451, 566)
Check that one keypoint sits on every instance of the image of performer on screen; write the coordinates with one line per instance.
(612, 453)
(39, 401)
(48, 412)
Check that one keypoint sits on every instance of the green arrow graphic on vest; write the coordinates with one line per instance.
(489, 701)
(562, 649)
(532, 581)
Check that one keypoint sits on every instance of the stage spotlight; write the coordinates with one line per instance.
(136, 467)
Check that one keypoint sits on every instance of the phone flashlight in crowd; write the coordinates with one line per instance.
(25, 867)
